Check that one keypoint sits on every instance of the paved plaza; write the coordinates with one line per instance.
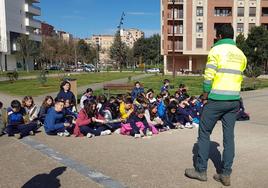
(122, 161)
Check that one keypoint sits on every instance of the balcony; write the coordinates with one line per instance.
(178, 30)
(176, 1)
(33, 10)
(32, 23)
(178, 14)
(178, 46)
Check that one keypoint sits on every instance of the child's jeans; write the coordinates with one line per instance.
(24, 129)
(92, 130)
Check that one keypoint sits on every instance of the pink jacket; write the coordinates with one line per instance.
(83, 120)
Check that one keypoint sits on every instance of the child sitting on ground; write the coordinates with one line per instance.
(16, 125)
(183, 116)
(89, 122)
(171, 120)
(55, 123)
(46, 105)
(126, 108)
(138, 123)
(30, 108)
(152, 118)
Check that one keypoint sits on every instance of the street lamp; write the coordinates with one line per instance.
(120, 44)
(173, 39)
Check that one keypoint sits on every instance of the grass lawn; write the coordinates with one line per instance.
(194, 84)
(34, 88)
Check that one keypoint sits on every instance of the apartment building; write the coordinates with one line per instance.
(195, 22)
(130, 36)
(17, 17)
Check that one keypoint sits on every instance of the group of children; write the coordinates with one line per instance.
(137, 114)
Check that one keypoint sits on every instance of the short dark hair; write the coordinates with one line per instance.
(59, 101)
(166, 81)
(225, 30)
(15, 104)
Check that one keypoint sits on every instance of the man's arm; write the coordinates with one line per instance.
(210, 71)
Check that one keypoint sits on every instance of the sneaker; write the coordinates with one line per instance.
(66, 133)
(149, 133)
(18, 136)
(168, 128)
(117, 131)
(31, 133)
(107, 132)
(137, 136)
(89, 135)
(60, 134)
(181, 126)
(192, 173)
(224, 179)
(188, 125)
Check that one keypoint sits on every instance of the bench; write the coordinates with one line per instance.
(109, 89)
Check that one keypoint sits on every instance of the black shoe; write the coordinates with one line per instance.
(225, 180)
(192, 173)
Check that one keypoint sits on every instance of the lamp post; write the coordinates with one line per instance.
(173, 39)
(120, 44)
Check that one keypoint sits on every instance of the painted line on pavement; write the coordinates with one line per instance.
(82, 169)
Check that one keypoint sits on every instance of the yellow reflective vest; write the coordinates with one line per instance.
(224, 71)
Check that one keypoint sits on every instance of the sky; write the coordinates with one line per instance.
(83, 18)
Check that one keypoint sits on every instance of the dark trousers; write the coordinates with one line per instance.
(56, 131)
(114, 126)
(24, 129)
(212, 112)
(93, 130)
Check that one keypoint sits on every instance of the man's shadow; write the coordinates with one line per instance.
(46, 180)
(214, 155)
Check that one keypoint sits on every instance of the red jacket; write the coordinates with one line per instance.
(83, 120)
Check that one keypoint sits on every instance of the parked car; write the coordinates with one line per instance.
(90, 68)
(55, 68)
(153, 70)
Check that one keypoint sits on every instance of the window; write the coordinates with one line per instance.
(240, 27)
(251, 25)
(252, 11)
(264, 11)
(199, 27)
(199, 11)
(240, 11)
(223, 11)
(199, 43)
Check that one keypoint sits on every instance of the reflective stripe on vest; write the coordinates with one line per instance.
(224, 92)
(214, 67)
(229, 71)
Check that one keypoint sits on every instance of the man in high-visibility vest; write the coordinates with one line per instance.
(222, 84)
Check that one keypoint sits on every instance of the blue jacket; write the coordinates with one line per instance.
(15, 118)
(136, 91)
(164, 88)
(161, 110)
(66, 95)
(54, 120)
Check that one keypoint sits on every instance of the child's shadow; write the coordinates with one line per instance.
(46, 180)
(214, 155)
